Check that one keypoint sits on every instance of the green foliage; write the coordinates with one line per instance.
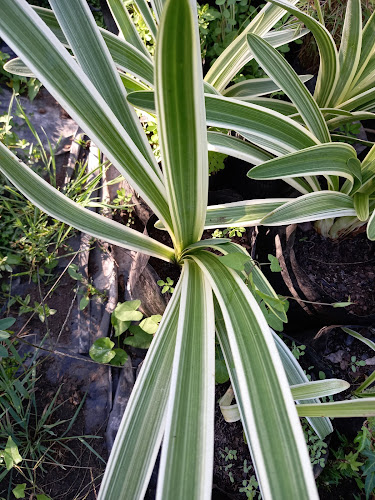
(20, 84)
(87, 290)
(354, 461)
(167, 285)
(140, 331)
(275, 266)
(216, 162)
(316, 446)
(356, 363)
(229, 231)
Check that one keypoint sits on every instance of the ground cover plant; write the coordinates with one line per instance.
(211, 293)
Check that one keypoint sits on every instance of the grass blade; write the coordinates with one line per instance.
(275, 65)
(54, 203)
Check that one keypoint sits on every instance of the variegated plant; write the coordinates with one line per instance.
(173, 398)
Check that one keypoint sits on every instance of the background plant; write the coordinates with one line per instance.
(180, 361)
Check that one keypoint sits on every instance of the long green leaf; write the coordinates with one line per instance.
(148, 18)
(54, 203)
(328, 71)
(94, 58)
(181, 120)
(367, 53)
(21, 27)
(340, 409)
(142, 425)
(311, 207)
(283, 107)
(371, 227)
(241, 213)
(318, 389)
(334, 123)
(126, 57)
(275, 65)
(361, 102)
(296, 375)
(187, 454)
(223, 143)
(327, 159)
(237, 54)
(305, 391)
(350, 50)
(262, 392)
(256, 87)
(272, 131)
(125, 25)
(360, 337)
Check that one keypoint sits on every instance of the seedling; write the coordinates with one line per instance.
(167, 286)
(356, 363)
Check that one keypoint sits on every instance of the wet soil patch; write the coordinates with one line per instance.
(342, 269)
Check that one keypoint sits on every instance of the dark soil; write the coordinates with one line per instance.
(231, 455)
(342, 269)
(79, 473)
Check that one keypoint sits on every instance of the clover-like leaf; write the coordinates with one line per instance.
(19, 490)
(101, 350)
(150, 325)
(6, 323)
(127, 311)
(139, 338)
(275, 266)
(120, 357)
(235, 261)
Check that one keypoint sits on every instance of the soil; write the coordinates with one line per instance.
(231, 455)
(342, 269)
(80, 470)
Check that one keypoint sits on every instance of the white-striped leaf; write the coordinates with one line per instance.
(275, 65)
(283, 107)
(328, 71)
(305, 391)
(337, 159)
(181, 120)
(296, 375)
(21, 27)
(362, 205)
(340, 409)
(187, 455)
(257, 87)
(367, 54)
(148, 18)
(238, 214)
(335, 123)
(272, 131)
(361, 102)
(241, 213)
(125, 25)
(54, 203)
(311, 207)
(237, 54)
(126, 57)
(94, 58)
(261, 388)
(350, 50)
(232, 146)
(142, 425)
